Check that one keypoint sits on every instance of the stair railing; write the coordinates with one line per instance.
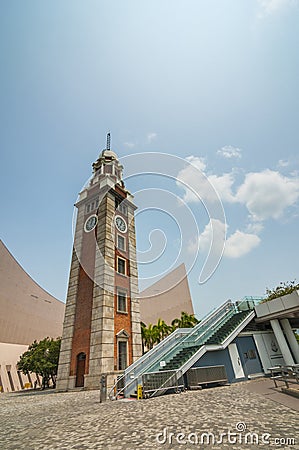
(149, 360)
(212, 325)
(196, 334)
(144, 361)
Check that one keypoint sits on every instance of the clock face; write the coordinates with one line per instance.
(91, 223)
(120, 224)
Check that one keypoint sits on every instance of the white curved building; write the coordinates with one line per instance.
(28, 313)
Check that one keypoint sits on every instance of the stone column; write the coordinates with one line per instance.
(283, 345)
(135, 309)
(64, 380)
(292, 341)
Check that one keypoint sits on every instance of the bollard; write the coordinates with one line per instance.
(103, 388)
(139, 392)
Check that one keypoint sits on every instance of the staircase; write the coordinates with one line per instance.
(180, 358)
(163, 367)
(227, 328)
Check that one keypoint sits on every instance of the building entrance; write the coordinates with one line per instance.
(80, 370)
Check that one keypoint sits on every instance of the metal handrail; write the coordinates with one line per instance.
(155, 350)
(222, 316)
(150, 358)
(145, 358)
(162, 387)
(181, 370)
(194, 331)
(197, 340)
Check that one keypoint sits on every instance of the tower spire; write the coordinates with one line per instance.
(108, 141)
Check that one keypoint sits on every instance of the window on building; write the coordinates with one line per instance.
(29, 379)
(20, 379)
(122, 355)
(121, 243)
(121, 266)
(121, 301)
(8, 368)
(92, 205)
(121, 207)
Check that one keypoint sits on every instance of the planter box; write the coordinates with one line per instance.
(278, 305)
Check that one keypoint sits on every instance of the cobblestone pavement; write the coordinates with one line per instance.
(77, 420)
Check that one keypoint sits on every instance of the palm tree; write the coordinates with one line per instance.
(143, 336)
(149, 336)
(162, 329)
(153, 334)
(185, 321)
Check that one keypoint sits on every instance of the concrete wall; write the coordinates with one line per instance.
(166, 298)
(9, 356)
(28, 312)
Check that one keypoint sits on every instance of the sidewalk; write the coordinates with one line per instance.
(77, 420)
(266, 388)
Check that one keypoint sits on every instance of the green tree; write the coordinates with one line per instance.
(143, 336)
(283, 288)
(153, 334)
(149, 336)
(162, 330)
(41, 358)
(185, 321)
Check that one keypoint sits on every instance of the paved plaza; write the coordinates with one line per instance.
(251, 415)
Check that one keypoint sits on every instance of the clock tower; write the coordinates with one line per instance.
(101, 330)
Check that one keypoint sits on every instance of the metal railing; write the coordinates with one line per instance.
(153, 356)
(134, 371)
(154, 382)
(202, 348)
(201, 333)
(206, 375)
(172, 344)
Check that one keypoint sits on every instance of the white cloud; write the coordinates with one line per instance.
(229, 151)
(213, 236)
(197, 162)
(283, 163)
(151, 136)
(240, 243)
(223, 186)
(211, 240)
(266, 194)
(215, 230)
(255, 227)
(129, 144)
(268, 7)
(199, 186)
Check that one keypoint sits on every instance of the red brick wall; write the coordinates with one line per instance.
(82, 327)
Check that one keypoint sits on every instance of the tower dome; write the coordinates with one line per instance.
(109, 154)
(107, 165)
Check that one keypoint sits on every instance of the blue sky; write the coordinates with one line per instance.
(213, 82)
